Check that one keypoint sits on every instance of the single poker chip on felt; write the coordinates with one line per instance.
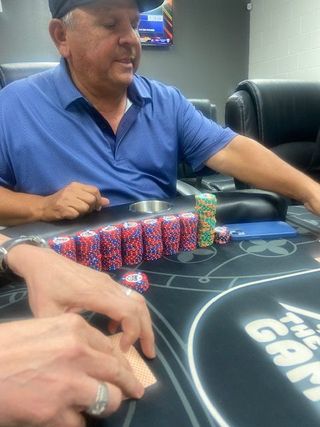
(135, 280)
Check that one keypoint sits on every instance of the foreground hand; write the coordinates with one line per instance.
(50, 370)
(313, 204)
(72, 201)
(57, 285)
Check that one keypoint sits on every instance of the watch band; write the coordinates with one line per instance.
(9, 244)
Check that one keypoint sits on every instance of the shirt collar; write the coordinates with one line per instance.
(68, 93)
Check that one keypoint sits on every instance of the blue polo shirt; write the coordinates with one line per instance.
(50, 136)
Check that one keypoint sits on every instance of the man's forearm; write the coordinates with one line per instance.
(252, 163)
(19, 208)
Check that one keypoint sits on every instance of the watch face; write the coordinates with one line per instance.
(3, 252)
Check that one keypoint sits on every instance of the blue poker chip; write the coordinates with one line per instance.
(137, 281)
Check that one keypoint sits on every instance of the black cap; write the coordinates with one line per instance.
(59, 8)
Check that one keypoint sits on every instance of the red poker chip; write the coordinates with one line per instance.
(135, 280)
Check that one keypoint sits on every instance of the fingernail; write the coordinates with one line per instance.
(140, 392)
(151, 354)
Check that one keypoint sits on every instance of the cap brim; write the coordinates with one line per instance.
(145, 5)
(59, 8)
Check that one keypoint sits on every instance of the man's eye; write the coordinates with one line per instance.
(135, 25)
(109, 25)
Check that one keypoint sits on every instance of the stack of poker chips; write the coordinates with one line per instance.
(206, 206)
(188, 231)
(88, 249)
(170, 226)
(152, 239)
(64, 245)
(132, 245)
(135, 280)
(110, 248)
(222, 235)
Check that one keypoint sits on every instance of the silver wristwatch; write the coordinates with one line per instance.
(9, 244)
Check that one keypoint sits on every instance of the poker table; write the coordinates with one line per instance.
(237, 328)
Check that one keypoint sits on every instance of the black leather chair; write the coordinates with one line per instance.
(207, 109)
(19, 70)
(283, 115)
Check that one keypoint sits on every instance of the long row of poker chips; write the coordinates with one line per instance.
(206, 206)
(130, 243)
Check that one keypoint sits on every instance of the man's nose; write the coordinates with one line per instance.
(129, 36)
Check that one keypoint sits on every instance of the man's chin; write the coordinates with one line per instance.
(125, 79)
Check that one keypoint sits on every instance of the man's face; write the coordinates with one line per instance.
(103, 45)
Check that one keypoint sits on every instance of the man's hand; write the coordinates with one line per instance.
(313, 204)
(254, 164)
(72, 201)
(57, 285)
(50, 370)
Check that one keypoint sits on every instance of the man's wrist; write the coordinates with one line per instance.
(9, 245)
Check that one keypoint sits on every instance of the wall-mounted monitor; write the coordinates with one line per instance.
(156, 27)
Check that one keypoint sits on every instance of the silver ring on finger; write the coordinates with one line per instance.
(101, 401)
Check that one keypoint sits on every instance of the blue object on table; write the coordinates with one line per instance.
(259, 230)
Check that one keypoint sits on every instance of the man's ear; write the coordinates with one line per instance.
(58, 33)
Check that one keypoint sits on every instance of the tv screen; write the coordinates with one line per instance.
(155, 28)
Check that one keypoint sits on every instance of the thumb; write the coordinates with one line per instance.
(104, 201)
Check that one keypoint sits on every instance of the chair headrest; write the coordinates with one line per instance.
(287, 110)
(19, 70)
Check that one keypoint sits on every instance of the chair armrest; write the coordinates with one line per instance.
(185, 189)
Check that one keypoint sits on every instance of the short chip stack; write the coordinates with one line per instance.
(110, 248)
(170, 234)
(88, 249)
(132, 245)
(152, 239)
(135, 280)
(64, 245)
(222, 235)
(188, 231)
(206, 206)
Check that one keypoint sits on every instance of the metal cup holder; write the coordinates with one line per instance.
(150, 206)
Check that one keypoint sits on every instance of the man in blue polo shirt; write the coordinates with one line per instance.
(91, 132)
